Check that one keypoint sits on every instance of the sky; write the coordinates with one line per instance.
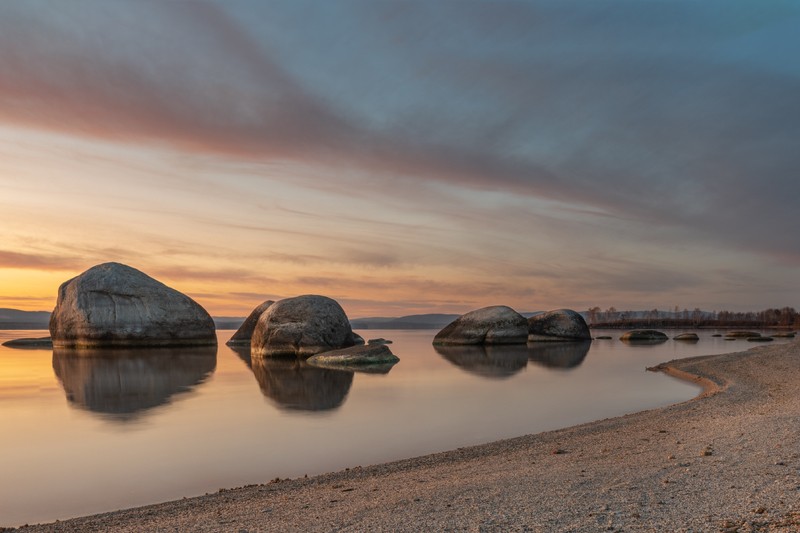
(405, 156)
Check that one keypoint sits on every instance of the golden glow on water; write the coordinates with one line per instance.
(187, 426)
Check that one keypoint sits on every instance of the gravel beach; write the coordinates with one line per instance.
(728, 460)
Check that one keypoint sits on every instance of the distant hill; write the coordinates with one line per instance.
(227, 322)
(429, 321)
(16, 319)
(426, 321)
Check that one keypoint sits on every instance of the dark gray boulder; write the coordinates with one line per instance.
(559, 325)
(649, 336)
(114, 305)
(245, 331)
(497, 324)
(687, 337)
(302, 326)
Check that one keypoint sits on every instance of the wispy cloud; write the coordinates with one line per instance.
(10, 259)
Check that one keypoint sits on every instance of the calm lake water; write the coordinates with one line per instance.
(84, 435)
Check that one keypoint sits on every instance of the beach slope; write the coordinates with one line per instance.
(728, 460)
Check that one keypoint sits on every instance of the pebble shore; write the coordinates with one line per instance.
(728, 460)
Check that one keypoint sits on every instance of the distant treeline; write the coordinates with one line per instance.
(785, 317)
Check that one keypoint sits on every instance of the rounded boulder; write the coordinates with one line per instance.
(114, 305)
(558, 325)
(301, 326)
(497, 324)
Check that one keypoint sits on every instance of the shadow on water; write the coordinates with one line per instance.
(644, 342)
(124, 383)
(496, 362)
(293, 384)
(564, 355)
(243, 353)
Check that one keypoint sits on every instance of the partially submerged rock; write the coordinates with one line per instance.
(742, 334)
(490, 325)
(374, 354)
(759, 339)
(644, 335)
(302, 326)
(604, 337)
(114, 305)
(558, 325)
(39, 342)
(245, 331)
(379, 340)
(783, 334)
(689, 337)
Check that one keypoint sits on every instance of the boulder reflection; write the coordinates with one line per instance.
(293, 384)
(123, 383)
(486, 361)
(559, 354)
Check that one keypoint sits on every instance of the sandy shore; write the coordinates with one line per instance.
(728, 460)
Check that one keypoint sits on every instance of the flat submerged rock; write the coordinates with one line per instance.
(355, 356)
(40, 342)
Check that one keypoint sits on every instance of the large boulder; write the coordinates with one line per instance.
(245, 331)
(114, 305)
(558, 325)
(301, 326)
(497, 324)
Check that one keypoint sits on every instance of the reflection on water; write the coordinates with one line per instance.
(123, 383)
(243, 352)
(644, 342)
(559, 354)
(486, 361)
(293, 384)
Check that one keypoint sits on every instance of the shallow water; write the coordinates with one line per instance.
(83, 434)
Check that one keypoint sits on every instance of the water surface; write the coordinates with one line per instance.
(84, 434)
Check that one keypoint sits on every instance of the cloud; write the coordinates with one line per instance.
(38, 261)
(647, 112)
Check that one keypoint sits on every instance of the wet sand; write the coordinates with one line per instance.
(728, 460)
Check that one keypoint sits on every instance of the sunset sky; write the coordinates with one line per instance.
(408, 156)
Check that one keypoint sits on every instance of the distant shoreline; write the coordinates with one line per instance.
(731, 445)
